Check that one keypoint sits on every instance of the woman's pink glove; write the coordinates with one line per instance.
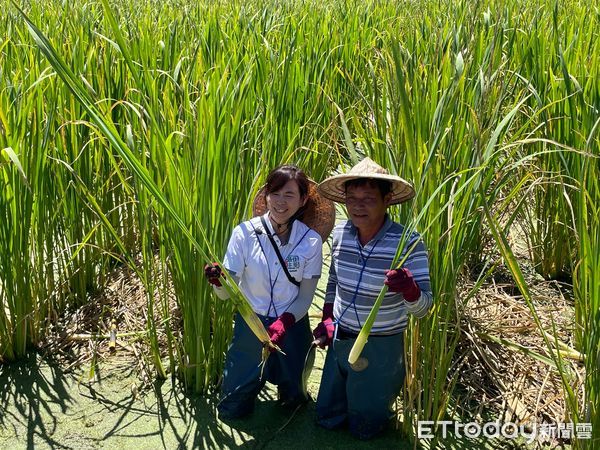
(278, 328)
(402, 280)
(323, 333)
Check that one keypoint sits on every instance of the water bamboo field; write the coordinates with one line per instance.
(136, 133)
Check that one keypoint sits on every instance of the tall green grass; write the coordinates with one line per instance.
(453, 107)
(206, 118)
(182, 108)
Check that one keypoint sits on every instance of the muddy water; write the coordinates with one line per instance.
(43, 407)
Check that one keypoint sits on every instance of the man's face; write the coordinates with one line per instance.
(366, 207)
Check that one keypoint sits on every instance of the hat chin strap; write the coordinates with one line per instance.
(291, 220)
(279, 225)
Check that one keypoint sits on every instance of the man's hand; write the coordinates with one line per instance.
(402, 281)
(324, 331)
(212, 272)
(278, 329)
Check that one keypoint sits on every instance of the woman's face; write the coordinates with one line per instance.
(285, 202)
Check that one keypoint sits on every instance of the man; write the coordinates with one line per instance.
(363, 249)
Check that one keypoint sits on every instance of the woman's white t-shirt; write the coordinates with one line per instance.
(251, 257)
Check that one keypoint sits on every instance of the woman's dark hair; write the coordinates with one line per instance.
(385, 187)
(279, 176)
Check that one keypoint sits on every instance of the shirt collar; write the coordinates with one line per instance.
(269, 224)
(387, 223)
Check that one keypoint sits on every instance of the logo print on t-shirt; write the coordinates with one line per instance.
(292, 262)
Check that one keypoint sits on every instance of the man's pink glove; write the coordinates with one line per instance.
(212, 272)
(402, 280)
(324, 331)
(278, 328)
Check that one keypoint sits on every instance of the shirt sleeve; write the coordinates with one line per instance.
(332, 280)
(235, 257)
(418, 264)
(331, 284)
(306, 292)
(314, 262)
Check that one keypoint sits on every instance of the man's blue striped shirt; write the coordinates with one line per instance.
(353, 290)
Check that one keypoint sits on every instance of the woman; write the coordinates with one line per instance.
(280, 288)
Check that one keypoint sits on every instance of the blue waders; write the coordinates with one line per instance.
(361, 399)
(242, 382)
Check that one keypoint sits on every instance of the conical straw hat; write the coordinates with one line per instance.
(319, 213)
(334, 189)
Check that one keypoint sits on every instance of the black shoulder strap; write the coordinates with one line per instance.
(281, 261)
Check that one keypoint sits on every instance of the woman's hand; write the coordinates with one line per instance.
(213, 272)
(278, 329)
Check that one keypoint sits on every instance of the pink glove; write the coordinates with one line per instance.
(212, 272)
(278, 328)
(324, 331)
(402, 280)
